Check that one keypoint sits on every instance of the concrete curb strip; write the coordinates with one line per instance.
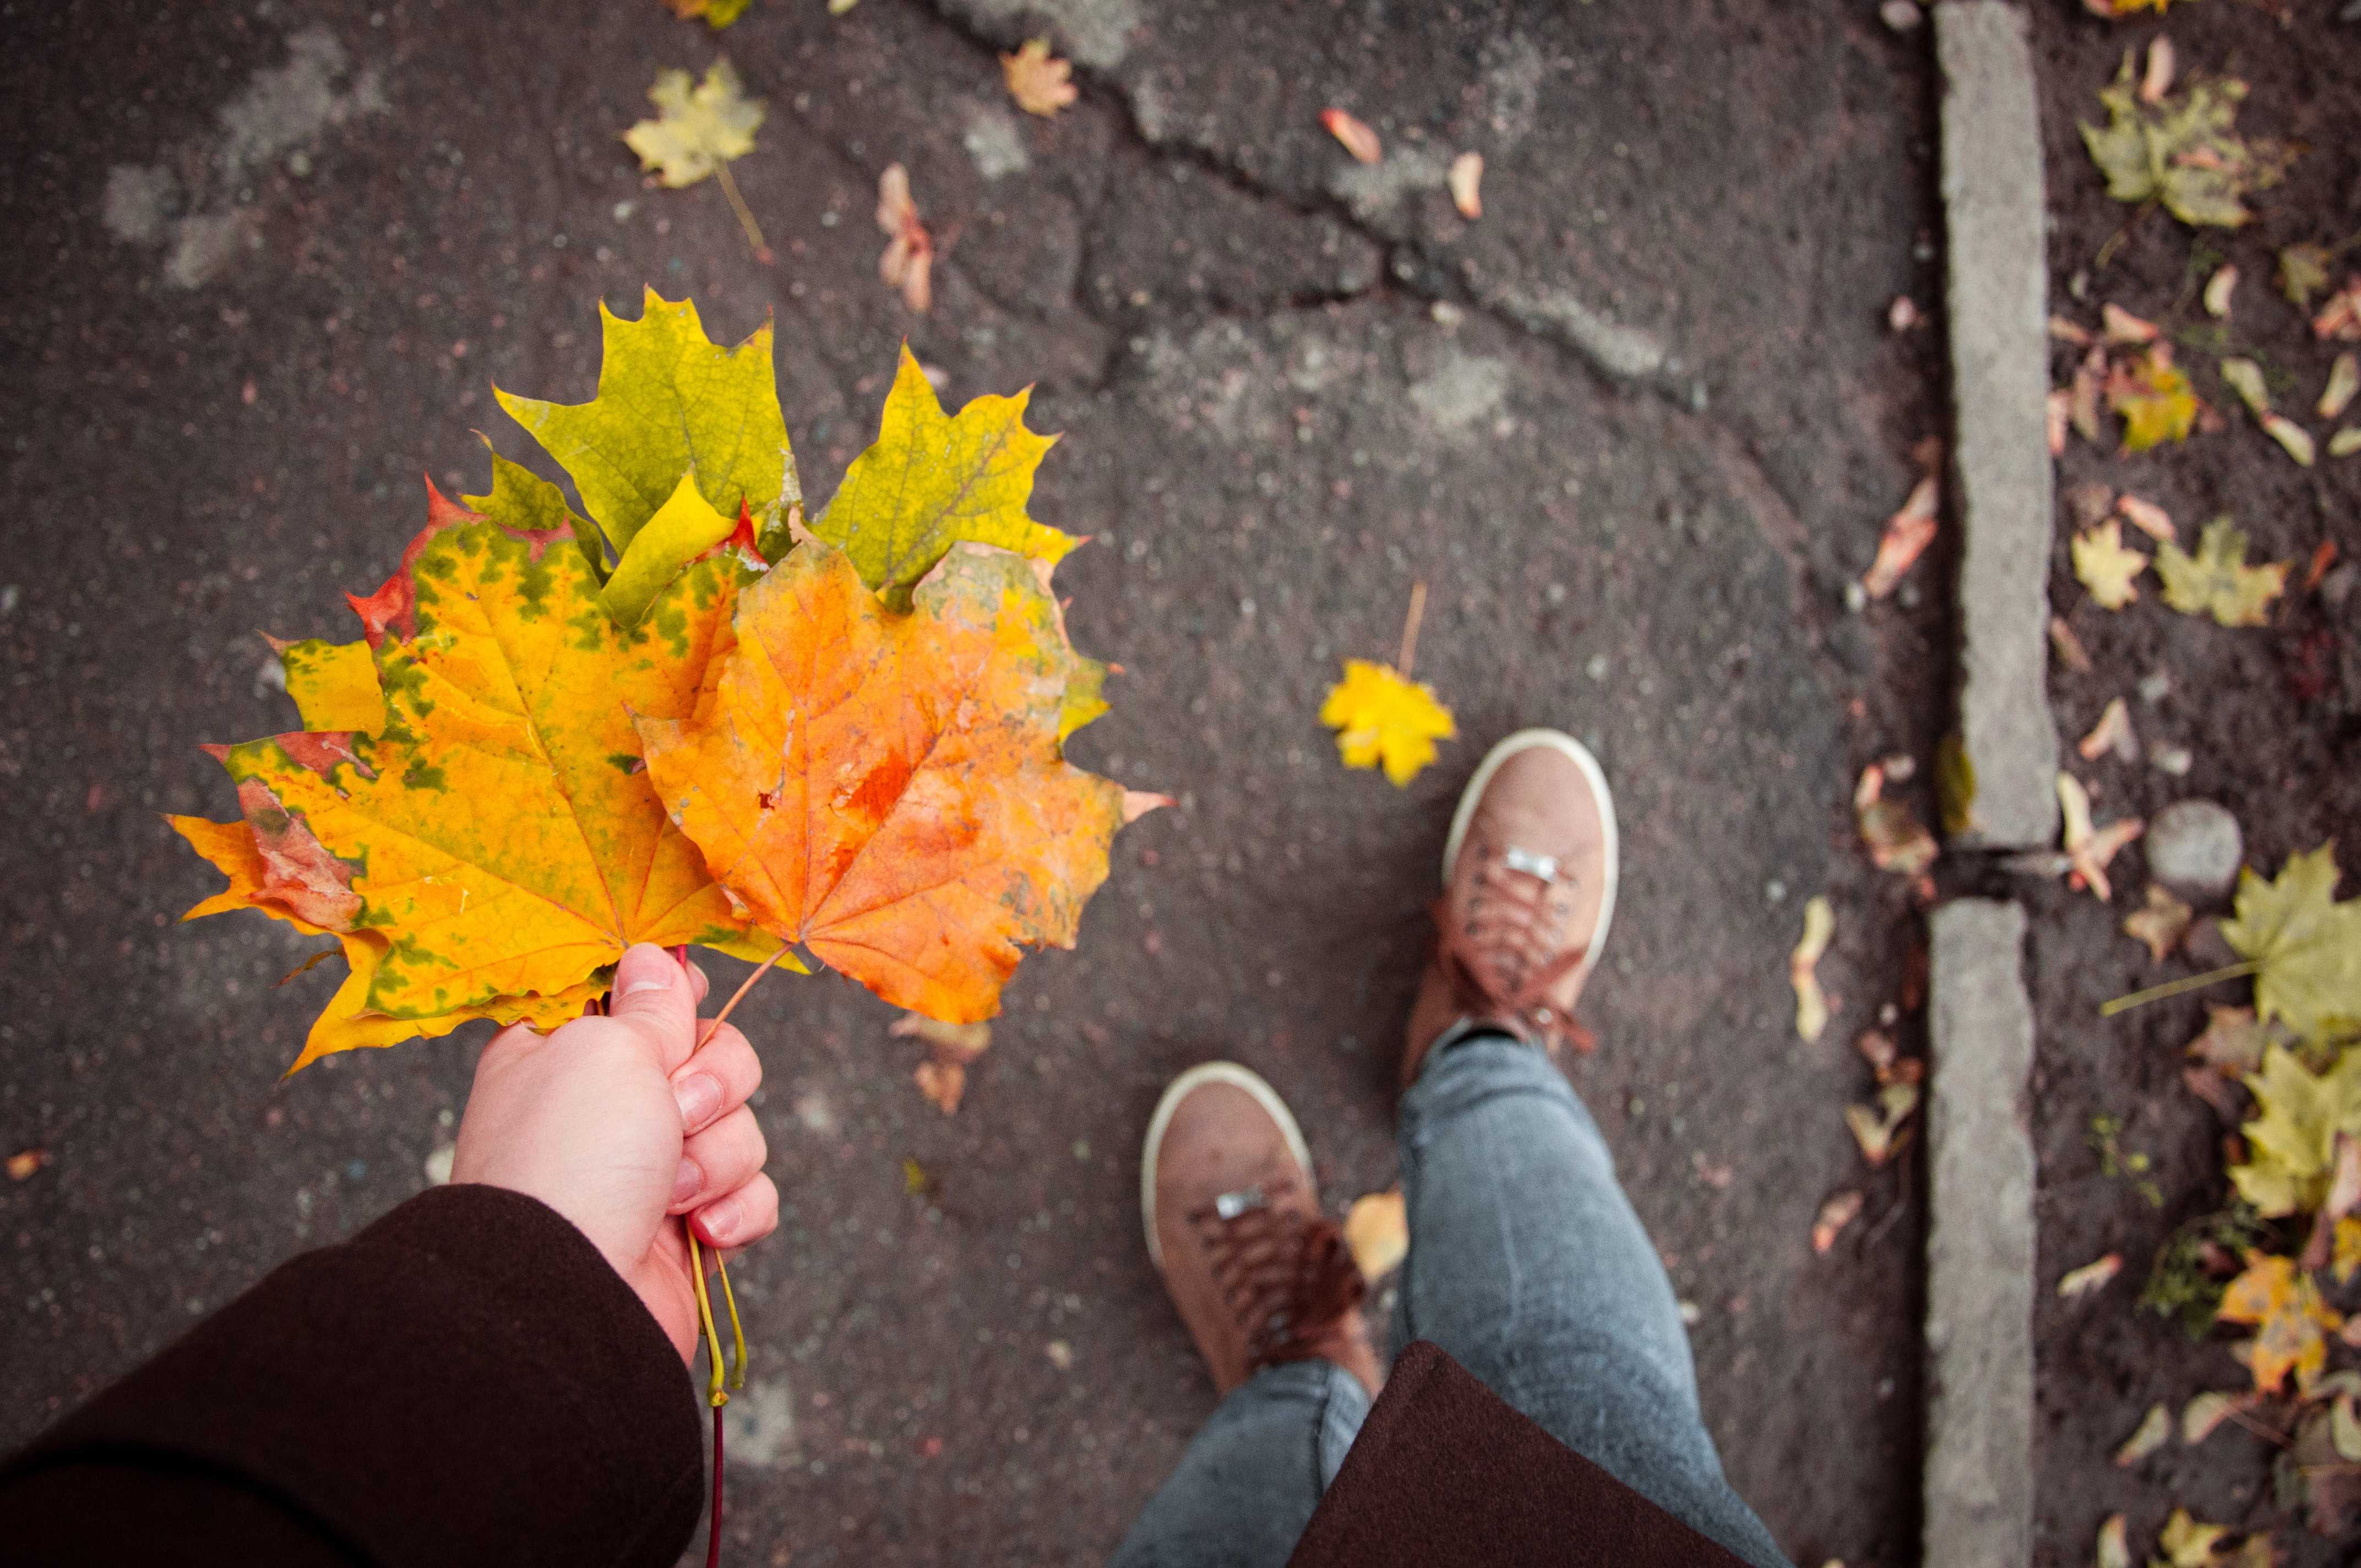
(1980, 1242)
(1997, 292)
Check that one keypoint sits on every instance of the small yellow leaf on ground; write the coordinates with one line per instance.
(1381, 718)
(2115, 1548)
(2161, 924)
(2154, 398)
(1466, 181)
(2155, 1430)
(1878, 1129)
(2205, 1412)
(2189, 1544)
(2113, 733)
(2292, 437)
(24, 1163)
(2292, 1141)
(1039, 81)
(2303, 273)
(1377, 1229)
(2345, 441)
(2106, 566)
(2308, 944)
(2092, 1276)
(2218, 290)
(1907, 534)
(2245, 378)
(2343, 381)
(2181, 149)
(2291, 1322)
(1835, 1214)
(1811, 1003)
(1359, 139)
(697, 129)
(2216, 581)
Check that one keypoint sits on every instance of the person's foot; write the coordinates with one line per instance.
(1527, 891)
(1234, 1222)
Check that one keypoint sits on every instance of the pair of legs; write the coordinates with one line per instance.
(1527, 1263)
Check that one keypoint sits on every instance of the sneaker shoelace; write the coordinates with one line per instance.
(1289, 1278)
(1509, 948)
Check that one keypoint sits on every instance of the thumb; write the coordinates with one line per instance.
(654, 996)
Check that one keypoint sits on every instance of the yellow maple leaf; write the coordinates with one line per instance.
(334, 685)
(2307, 945)
(2154, 398)
(1039, 81)
(2291, 1321)
(888, 789)
(2292, 1141)
(498, 842)
(697, 129)
(2216, 581)
(2187, 1543)
(2106, 566)
(1381, 718)
(932, 480)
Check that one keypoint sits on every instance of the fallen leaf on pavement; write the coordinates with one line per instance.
(2157, 80)
(2155, 400)
(1878, 1128)
(1835, 1214)
(2345, 1250)
(2161, 924)
(942, 1078)
(2092, 1276)
(2232, 1040)
(2115, 1548)
(2342, 317)
(1039, 81)
(1466, 182)
(2343, 381)
(2322, 558)
(2066, 331)
(2088, 849)
(1907, 534)
(2155, 1430)
(2183, 151)
(2058, 413)
(2303, 273)
(2291, 1145)
(916, 1179)
(2069, 647)
(2207, 1411)
(697, 129)
(2113, 733)
(2148, 517)
(1903, 314)
(1359, 139)
(718, 14)
(2121, 329)
(2292, 437)
(2309, 946)
(2084, 394)
(1377, 1232)
(2216, 581)
(2345, 441)
(1382, 718)
(23, 1164)
(908, 262)
(2106, 566)
(2291, 1322)
(2189, 1544)
(2344, 1195)
(2218, 290)
(2245, 378)
(1811, 1003)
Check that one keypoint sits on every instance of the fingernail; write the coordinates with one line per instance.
(719, 1220)
(654, 973)
(685, 1183)
(699, 1095)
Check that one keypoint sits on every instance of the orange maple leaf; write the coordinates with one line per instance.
(2291, 1322)
(888, 789)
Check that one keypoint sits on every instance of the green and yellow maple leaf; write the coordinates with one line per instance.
(2307, 945)
(2154, 398)
(683, 529)
(671, 402)
(932, 480)
(2291, 1141)
(2291, 1322)
(334, 685)
(1383, 719)
(2183, 151)
(499, 839)
(2216, 581)
(2106, 566)
(697, 129)
(2187, 1543)
(523, 502)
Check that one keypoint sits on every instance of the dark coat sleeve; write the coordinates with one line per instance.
(465, 1382)
(1445, 1471)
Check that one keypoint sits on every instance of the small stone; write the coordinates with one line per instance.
(1901, 16)
(1597, 667)
(438, 1165)
(2338, 585)
(1856, 598)
(2194, 846)
(2174, 761)
(2154, 687)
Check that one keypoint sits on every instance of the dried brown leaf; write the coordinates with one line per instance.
(1359, 139)
(2161, 924)
(2069, 647)
(2218, 290)
(2092, 1276)
(1039, 81)
(24, 1163)
(2148, 517)
(2113, 733)
(1466, 182)
(909, 259)
(1907, 534)
(1835, 1214)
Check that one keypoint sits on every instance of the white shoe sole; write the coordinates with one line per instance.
(1227, 1072)
(1558, 740)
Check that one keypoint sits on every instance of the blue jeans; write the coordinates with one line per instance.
(1528, 1266)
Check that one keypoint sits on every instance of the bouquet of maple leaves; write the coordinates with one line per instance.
(688, 718)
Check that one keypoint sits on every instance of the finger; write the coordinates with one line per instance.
(718, 1160)
(696, 974)
(654, 998)
(741, 1218)
(716, 1079)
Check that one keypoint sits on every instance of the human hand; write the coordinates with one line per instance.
(625, 1126)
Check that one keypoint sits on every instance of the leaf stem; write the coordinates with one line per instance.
(713, 1024)
(1410, 629)
(714, 1394)
(745, 217)
(737, 1329)
(2175, 987)
(713, 1527)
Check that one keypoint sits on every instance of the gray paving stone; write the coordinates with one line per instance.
(1980, 1244)
(1997, 292)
